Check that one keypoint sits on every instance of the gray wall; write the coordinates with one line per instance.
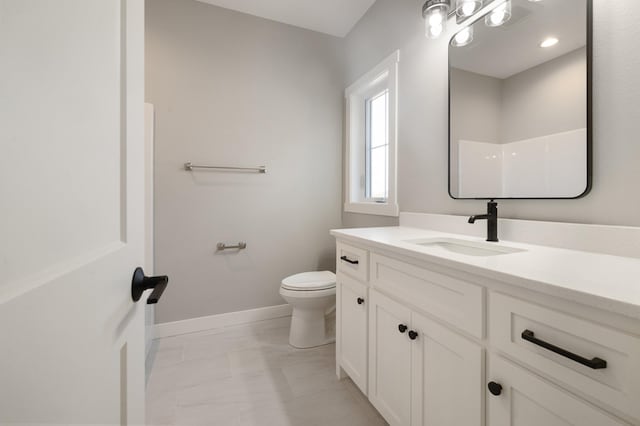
(546, 99)
(475, 114)
(422, 144)
(230, 89)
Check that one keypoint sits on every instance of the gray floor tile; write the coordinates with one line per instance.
(249, 375)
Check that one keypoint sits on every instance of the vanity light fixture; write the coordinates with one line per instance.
(466, 8)
(548, 42)
(499, 15)
(435, 13)
(463, 38)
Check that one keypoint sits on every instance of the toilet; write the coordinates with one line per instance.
(312, 295)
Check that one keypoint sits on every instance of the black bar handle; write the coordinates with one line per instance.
(140, 283)
(346, 259)
(594, 363)
(159, 288)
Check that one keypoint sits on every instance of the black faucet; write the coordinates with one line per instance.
(492, 220)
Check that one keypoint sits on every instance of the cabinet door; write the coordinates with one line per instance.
(389, 359)
(447, 377)
(528, 400)
(352, 329)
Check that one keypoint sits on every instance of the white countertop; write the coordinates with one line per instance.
(603, 281)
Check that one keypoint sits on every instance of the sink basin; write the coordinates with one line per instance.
(469, 248)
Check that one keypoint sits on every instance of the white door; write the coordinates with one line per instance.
(447, 377)
(523, 399)
(72, 211)
(390, 358)
(352, 306)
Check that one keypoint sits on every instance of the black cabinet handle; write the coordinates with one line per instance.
(402, 328)
(594, 363)
(140, 283)
(360, 301)
(413, 335)
(495, 388)
(346, 259)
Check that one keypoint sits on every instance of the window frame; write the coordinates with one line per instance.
(383, 76)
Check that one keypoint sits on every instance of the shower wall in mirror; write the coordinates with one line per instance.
(519, 103)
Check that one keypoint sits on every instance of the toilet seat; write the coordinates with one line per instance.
(310, 281)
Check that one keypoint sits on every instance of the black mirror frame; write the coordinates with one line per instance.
(589, 48)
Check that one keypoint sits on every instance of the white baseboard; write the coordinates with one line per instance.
(194, 325)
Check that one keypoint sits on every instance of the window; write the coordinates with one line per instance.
(370, 175)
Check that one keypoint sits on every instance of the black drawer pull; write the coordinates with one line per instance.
(413, 335)
(402, 328)
(346, 259)
(360, 301)
(594, 363)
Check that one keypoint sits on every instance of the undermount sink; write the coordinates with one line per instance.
(469, 248)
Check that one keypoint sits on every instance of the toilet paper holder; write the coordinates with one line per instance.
(240, 246)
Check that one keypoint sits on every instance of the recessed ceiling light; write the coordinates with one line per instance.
(549, 41)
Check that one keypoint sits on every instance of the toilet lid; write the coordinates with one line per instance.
(319, 280)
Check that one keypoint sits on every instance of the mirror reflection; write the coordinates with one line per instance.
(518, 102)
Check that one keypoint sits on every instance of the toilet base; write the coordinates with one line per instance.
(309, 329)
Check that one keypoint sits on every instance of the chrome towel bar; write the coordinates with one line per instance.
(259, 169)
(240, 246)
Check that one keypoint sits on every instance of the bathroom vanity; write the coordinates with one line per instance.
(445, 329)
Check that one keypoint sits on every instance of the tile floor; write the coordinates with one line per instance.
(249, 375)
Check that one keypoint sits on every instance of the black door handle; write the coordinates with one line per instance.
(413, 335)
(360, 301)
(140, 283)
(346, 259)
(495, 388)
(402, 328)
(594, 363)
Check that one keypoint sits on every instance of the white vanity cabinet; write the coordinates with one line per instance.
(435, 345)
(390, 351)
(421, 373)
(524, 399)
(352, 330)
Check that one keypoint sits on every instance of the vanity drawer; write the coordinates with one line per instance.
(455, 301)
(353, 261)
(593, 359)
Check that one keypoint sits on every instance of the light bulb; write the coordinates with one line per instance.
(435, 19)
(463, 38)
(467, 8)
(499, 15)
(435, 24)
(435, 16)
(434, 31)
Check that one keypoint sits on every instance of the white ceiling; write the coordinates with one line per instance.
(514, 47)
(334, 17)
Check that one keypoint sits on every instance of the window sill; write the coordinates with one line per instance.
(379, 209)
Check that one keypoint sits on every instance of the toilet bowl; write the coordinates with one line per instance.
(312, 295)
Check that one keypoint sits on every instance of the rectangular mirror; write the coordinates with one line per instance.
(520, 102)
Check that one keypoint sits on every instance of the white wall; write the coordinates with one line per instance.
(422, 144)
(546, 166)
(232, 89)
